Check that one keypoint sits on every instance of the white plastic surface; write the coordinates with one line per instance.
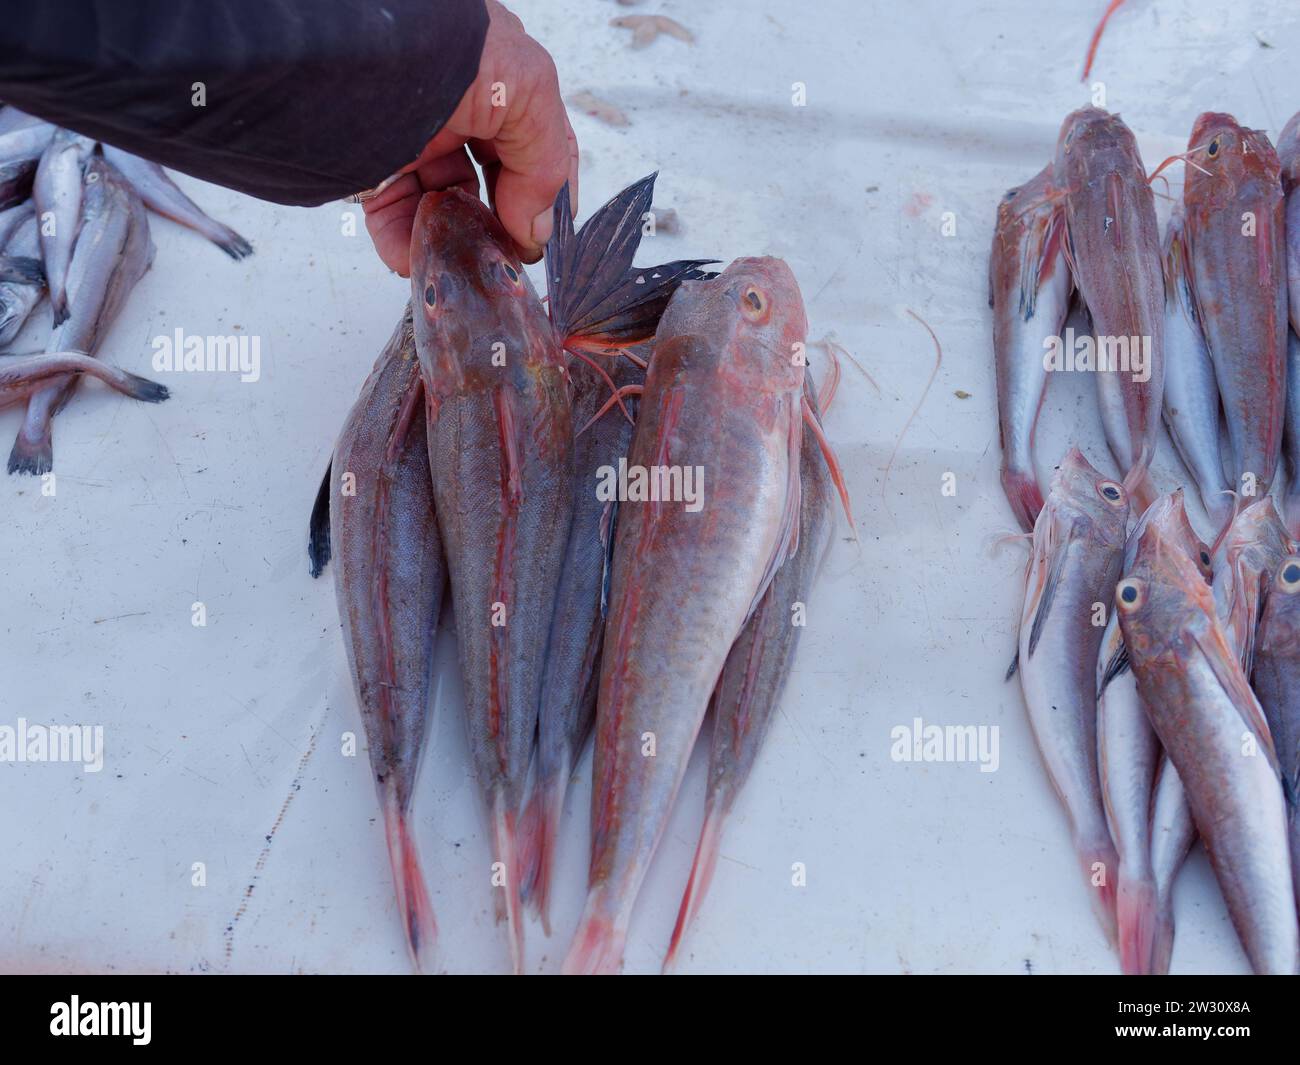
(222, 743)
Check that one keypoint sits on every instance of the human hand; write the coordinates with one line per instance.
(513, 121)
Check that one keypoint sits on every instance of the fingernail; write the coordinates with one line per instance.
(541, 228)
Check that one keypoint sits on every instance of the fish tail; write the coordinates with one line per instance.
(33, 450)
(540, 830)
(596, 297)
(706, 861)
(1024, 495)
(137, 387)
(230, 242)
(505, 846)
(598, 944)
(1101, 868)
(412, 894)
(1137, 917)
(1140, 487)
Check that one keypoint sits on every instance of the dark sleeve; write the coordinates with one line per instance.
(305, 100)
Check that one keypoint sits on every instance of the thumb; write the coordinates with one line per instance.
(536, 152)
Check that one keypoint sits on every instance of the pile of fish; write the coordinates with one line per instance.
(73, 224)
(473, 464)
(1160, 667)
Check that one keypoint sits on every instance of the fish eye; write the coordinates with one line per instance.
(1111, 491)
(430, 296)
(753, 303)
(1289, 576)
(1213, 149)
(511, 273)
(1130, 593)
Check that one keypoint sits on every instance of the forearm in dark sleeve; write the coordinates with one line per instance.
(302, 101)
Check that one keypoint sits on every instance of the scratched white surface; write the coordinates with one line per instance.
(223, 742)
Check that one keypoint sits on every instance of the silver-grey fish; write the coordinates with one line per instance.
(22, 375)
(1191, 400)
(1172, 834)
(112, 252)
(57, 193)
(1078, 550)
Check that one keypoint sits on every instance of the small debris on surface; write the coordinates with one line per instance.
(590, 104)
(666, 220)
(646, 28)
(962, 394)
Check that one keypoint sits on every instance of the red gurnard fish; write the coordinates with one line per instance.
(722, 403)
(1113, 245)
(604, 248)
(500, 450)
(1211, 724)
(752, 681)
(375, 514)
(1129, 757)
(1288, 152)
(1236, 241)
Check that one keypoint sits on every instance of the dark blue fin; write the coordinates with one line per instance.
(318, 539)
(596, 295)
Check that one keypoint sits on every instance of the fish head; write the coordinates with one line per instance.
(1092, 142)
(1288, 152)
(1082, 497)
(1279, 626)
(1225, 159)
(475, 310)
(1161, 595)
(753, 314)
(1169, 515)
(1256, 533)
(1022, 205)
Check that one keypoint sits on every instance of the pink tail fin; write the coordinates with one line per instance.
(1024, 495)
(1141, 488)
(412, 895)
(506, 851)
(1137, 918)
(598, 944)
(1101, 863)
(540, 831)
(706, 861)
